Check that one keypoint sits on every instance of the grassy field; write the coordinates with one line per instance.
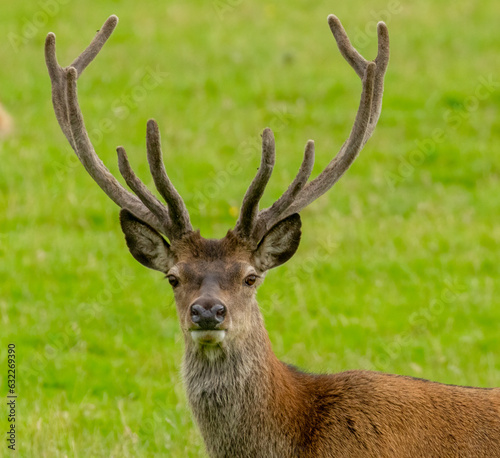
(398, 268)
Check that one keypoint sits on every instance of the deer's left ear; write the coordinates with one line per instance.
(279, 244)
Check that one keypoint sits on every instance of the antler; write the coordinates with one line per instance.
(254, 224)
(172, 220)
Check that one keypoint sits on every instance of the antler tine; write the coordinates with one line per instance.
(141, 190)
(372, 75)
(382, 61)
(58, 81)
(250, 204)
(179, 215)
(270, 216)
(359, 64)
(349, 53)
(91, 51)
(58, 74)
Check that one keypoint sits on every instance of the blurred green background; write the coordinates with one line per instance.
(398, 267)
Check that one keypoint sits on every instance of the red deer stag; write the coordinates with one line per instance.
(246, 402)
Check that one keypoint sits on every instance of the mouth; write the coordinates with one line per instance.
(208, 337)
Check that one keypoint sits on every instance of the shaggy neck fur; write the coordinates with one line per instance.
(234, 390)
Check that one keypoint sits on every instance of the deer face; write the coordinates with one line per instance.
(214, 281)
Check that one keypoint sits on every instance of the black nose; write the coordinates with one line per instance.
(207, 313)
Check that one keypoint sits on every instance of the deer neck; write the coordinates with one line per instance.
(237, 396)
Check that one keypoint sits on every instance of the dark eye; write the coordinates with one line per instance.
(173, 280)
(250, 280)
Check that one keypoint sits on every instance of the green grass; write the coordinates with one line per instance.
(398, 268)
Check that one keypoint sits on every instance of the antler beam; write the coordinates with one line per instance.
(300, 194)
(172, 220)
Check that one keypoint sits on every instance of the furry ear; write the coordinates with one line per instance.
(145, 243)
(279, 244)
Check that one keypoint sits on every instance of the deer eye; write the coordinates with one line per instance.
(173, 280)
(250, 280)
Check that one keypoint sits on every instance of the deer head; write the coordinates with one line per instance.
(214, 281)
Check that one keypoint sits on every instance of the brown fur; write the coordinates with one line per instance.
(194, 246)
(247, 403)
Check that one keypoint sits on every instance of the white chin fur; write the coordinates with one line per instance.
(208, 337)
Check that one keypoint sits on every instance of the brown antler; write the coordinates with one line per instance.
(250, 205)
(173, 221)
(255, 224)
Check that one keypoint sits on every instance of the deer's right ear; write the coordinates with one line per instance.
(145, 243)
